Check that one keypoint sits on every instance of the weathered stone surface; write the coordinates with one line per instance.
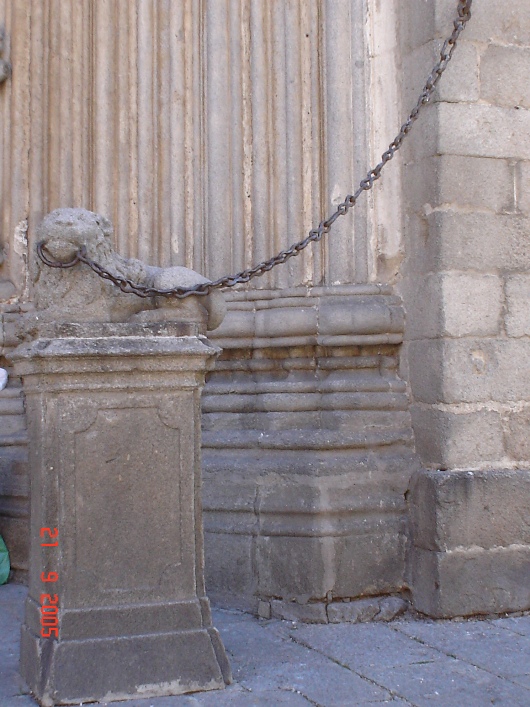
(465, 509)
(307, 451)
(498, 23)
(7, 289)
(358, 611)
(504, 71)
(517, 309)
(517, 435)
(390, 608)
(101, 441)
(478, 182)
(364, 610)
(465, 62)
(523, 186)
(471, 542)
(456, 438)
(345, 316)
(472, 304)
(477, 241)
(483, 130)
(470, 370)
(471, 581)
(455, 304)
(78, 295)
(293, 611)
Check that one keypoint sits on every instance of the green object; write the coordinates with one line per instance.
(4, 562)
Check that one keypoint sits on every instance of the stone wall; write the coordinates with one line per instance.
(466, 286)
(214, 134)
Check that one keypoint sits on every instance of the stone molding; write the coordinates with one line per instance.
(354, 315)
(307, 449)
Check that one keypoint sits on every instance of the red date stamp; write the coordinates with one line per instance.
(49, 608)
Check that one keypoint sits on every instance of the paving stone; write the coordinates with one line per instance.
(225, 698)
(320, 680)
(522, 680)
(517, 624)
(450, 683)
(265, 655)
(478, 643)
(364, 645)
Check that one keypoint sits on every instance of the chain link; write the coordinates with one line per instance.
(315, 235)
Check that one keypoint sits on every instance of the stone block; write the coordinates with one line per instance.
(504, 75)
(478, 182)
(477, 241)
(361, 316)
(353, 612)
(371, 563)
(470, 542)
(518, 305)
(471, 581)
(425, 363)
(450, 439)
(465, 63)
(517, 433)
(453, 304)
(264, 609)
(364, 610)
(472, 304)
(314, 613)
(453, 510)
(419, 26)
(472, 182)
(424, 20)
(481, 130)
(423, 302)
(469, 370)
(390, 608)
(293, 568)
(288, 321)
(498, 23)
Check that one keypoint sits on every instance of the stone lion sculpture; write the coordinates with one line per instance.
(79, 295)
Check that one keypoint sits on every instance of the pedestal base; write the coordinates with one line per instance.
(120, 667)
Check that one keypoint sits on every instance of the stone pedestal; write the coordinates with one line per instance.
(114, 427)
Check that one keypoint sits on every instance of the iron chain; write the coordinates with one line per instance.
(315, 235)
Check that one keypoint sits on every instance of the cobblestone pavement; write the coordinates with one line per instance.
(407, 662)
